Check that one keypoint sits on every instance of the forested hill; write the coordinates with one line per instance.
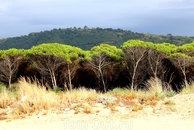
(87, 38)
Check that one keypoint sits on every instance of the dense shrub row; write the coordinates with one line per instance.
(103, 67)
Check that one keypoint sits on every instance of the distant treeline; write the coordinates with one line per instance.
(103, 67)
(86, 38)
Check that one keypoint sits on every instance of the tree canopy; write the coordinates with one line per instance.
(109, 50)
(104, 66)
(59, 50)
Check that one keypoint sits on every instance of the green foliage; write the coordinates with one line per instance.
(169, 102)
(170, 93)
(119, 91)
(1, 86)
(187, 49)
(166, 48)
(57, 90)
(189, 89)
(174, 55)
(109, 50)
(162, 94)
(86, 38)
(12, 52)
(14, 87)
(113, 54)
(59, 50)
(137, 43)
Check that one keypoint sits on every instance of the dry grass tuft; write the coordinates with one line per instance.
(31, 97)
(34, 97)
(124, 96)
(3, 115)
(6, 98)
(74, 99)
(154, 85)
(87, 109)
(81, 94)
(152, 103)
(137, 108)
(157, 91)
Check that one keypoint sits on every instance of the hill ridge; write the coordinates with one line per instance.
(87, 38)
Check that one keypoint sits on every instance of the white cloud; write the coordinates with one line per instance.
(4, 7)
(32, 15)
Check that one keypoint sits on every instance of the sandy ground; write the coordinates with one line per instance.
(173, 117)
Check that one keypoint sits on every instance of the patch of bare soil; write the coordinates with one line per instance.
(184, 105)
(171, 113)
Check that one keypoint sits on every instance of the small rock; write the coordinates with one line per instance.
(23, 99)
(121, 104)
(67, 109)
(113, 98)
(74, 101)
(106, 100)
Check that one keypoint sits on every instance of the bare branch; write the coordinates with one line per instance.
(8, 68)
(98, 65)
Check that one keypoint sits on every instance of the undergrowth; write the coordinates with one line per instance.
(27, 97)
(189, 89)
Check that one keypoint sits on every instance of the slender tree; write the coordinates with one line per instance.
(155, 61)
(49, 58)
(183, 62)
(9, 68)
(103, 59)
(47, 66)
(99, 64)
(134, 58)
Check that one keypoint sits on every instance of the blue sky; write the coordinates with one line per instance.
(20, 17)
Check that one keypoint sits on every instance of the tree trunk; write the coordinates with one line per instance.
(102, 78)
(10, 78)
(133, 86)
(69, 77)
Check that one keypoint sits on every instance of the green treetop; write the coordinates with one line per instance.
(59, 50)
(12, 52)
(109, 50)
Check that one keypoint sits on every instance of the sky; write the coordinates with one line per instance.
(21, 17)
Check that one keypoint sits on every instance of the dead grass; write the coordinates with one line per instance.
(154, 85)
(87, 109)
(137, 108)
(34, 97)
(6, 98)
(3, 115)
(31, 97)
(77, 99)
(80, 94)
